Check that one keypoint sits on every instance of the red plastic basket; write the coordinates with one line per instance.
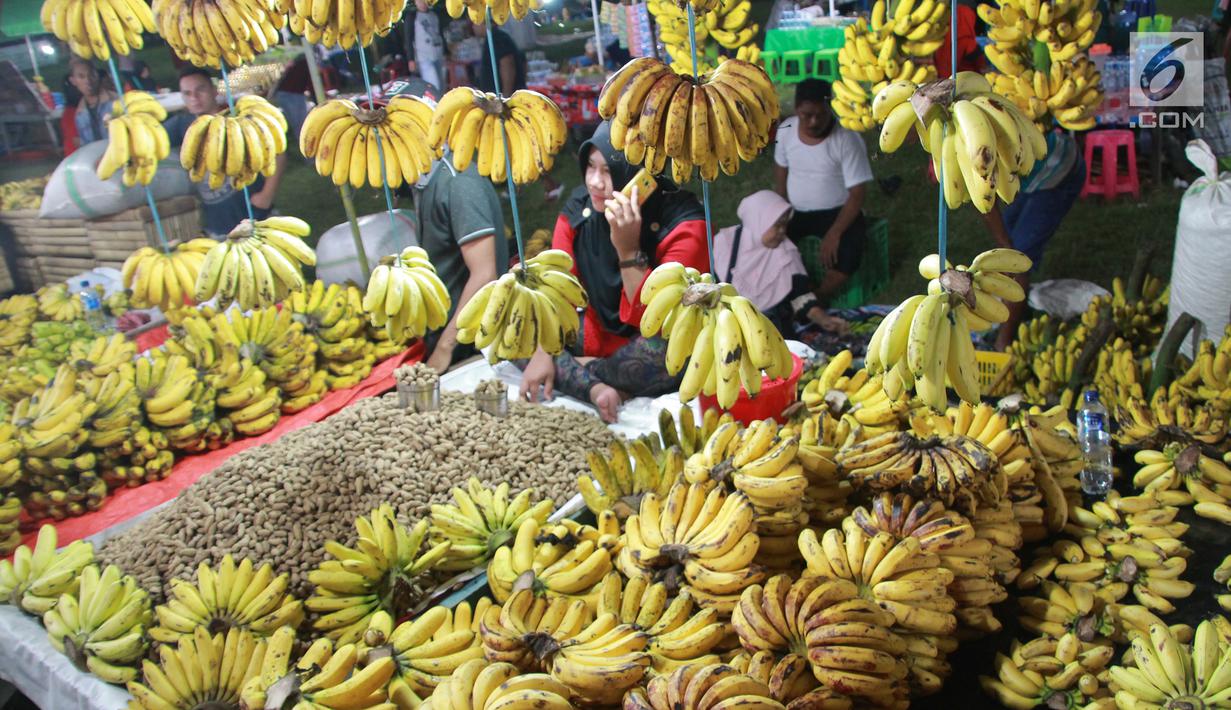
(775, 396)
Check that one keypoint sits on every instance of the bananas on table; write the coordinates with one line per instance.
(406, 296)
(927, 337)
(241, 596)
(534, 305)
(209, 33)
(344, 140)
(725, 341)
(258, 264)
(101, 627)
(94, 28)
(58, 304)
(483, 521)
(239, 147)
(712, 122)
(165, 279)
(136, 140)
(481, 126)
(980, 139)
(34, 579)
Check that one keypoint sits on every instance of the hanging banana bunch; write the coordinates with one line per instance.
(347, 140)
(95, 29)
(136, 140)
(478, 125)
(209, 33)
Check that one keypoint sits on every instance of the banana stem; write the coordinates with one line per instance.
(1136, 277)
(318, 90)
(1164, 363)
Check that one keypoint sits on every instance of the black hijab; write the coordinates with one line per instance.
(597, 262)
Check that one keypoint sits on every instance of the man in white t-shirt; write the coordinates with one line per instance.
(822, 169)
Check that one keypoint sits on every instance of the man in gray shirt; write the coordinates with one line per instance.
(461, 225)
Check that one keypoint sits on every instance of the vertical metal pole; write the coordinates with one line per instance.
(318, 88)
(598, 31)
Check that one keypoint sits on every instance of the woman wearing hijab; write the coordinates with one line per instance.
(615, 244)
(763, 265)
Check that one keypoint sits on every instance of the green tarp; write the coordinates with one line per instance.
(20, 17)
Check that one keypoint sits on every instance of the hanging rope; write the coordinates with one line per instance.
(380, 150)
(943, 217)
(705, 185)
(226, 85)
(508, 160)
(149, 194)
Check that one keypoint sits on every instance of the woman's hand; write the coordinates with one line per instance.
(540, 372)
(624, 216)
(607, 400)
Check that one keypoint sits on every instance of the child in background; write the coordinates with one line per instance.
(764, 266)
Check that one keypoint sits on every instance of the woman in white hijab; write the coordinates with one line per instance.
(764, 266)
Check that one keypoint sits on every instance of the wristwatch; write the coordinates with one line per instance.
(639, 260)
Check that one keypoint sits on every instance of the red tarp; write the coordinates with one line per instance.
(124, 503)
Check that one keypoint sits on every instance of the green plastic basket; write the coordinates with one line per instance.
(870, 277)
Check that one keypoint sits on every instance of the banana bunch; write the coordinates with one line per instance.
(325, 677)
(480, 685)
(34, 579)
(860, 395)
(759, 460)
(119, 407)
(342, 23)
(563, 559)
(1072, 607)
(17, 314)
(333, 316)
(702, 687)
(845, 638)
(406, 295)
(10, 455)
(726, 342)
(927, 337)
(1222, 575)
(1208, 378)
(688, 434)
(501, 10)
(101, 627)
(374, 575)
(136, 140)
(728, 25)
(240, 596)
(171, 394)
(870, 58)
(1068, 90)
(680, 634)
(482, 521)
(239, 147)
(369, 146)
(533, 305)
(919, 27)
(979, 139)
(820, 437)
(209, 33)
(699, 536)
(426, 650)
(1170, 416)
(102, 356)
(1049, 672)
(1167, 672)
(712, 122)
(95, 29)
(10, 514)
(165, 279)
(527, 128)
(950, 535)
(1016, 27)
(56, 303)
(619, 480)
(596, 658)
(954, 469)
(788, 678)
(201, 670)
(257, 265)
(1206, 480)
(277, 344)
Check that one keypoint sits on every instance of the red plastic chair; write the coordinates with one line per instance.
(1110, 182)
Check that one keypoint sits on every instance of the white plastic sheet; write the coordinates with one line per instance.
(44, 675)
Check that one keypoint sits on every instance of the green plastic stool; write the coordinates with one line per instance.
(795, 65)
(870, 277)
(773, 65)
(825, 65)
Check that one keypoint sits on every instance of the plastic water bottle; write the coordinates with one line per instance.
(1095, 442)
(93, 307)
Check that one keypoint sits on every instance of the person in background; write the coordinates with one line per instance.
(461, 225)
(429, 47)
(94, 109)
(615, 243)
(969, 55)
(1029, 222)
(224, 208)
(68, 119)
(822, 169)
(757, 258)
